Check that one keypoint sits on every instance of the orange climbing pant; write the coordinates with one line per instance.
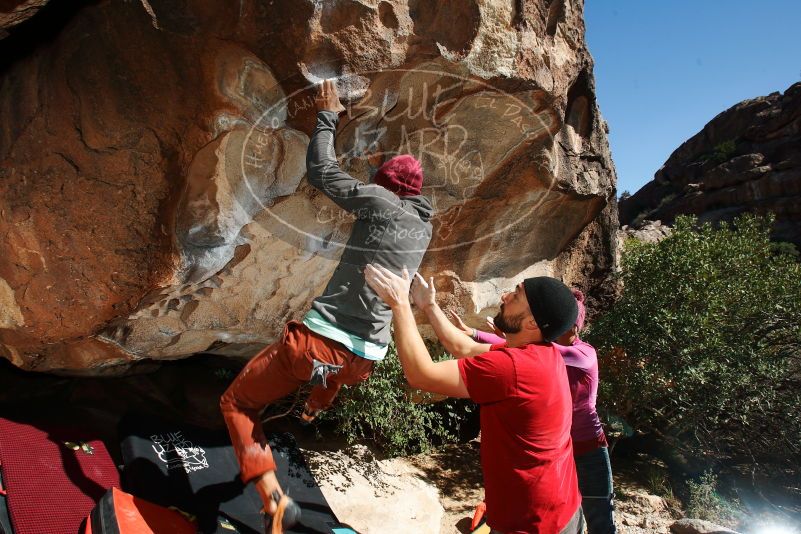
(274, 373)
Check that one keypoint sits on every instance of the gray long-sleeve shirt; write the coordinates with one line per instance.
(389, 230)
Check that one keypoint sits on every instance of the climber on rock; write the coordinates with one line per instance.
(347, 329)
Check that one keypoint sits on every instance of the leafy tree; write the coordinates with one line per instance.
(704, 347)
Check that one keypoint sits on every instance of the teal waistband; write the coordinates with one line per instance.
(358, 346)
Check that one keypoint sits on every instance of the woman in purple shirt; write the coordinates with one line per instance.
(589, 441)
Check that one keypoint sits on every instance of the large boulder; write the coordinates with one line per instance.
(373, 496)
(744, 160)
(152, 193)
(698, 526)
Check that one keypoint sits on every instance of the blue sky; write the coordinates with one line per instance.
(663, 69)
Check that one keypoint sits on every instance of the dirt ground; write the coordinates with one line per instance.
(455, 471)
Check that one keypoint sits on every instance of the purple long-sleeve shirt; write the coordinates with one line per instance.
(582, 374)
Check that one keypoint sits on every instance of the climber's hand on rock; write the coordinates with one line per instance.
(327, 98)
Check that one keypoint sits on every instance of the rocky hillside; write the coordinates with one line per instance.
(152, 193)
(747, 159)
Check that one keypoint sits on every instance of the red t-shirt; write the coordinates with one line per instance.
(526, 455)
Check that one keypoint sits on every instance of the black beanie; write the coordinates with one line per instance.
(552, 305)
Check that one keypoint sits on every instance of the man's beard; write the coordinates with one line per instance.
(509, 325)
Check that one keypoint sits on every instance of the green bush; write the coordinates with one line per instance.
(704, 501)
(704, 347)
(721, 152)
(724, 151)
(398, 420)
